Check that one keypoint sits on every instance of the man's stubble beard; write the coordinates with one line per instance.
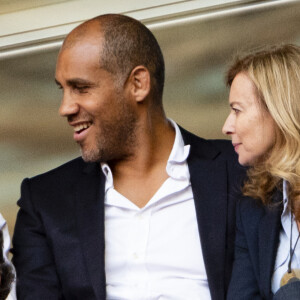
(116, 139)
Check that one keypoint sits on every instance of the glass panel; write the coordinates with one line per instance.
(35, 139)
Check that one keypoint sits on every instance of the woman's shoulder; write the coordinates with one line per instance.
(250, 211)
(248, 203)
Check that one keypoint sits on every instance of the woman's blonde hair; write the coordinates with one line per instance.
(275, 72)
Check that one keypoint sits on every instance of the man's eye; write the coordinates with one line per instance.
(81, 89)
(235, 110)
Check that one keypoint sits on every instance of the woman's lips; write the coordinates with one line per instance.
(236, 146)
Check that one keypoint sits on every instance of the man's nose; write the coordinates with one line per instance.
(228, 127)
(68, 106)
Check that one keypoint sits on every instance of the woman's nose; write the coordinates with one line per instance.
(228, 127)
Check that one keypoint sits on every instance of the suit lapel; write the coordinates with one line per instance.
(268, 238)
(90, 218)
(208, 180)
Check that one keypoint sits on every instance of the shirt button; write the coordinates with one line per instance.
(139, 217)
(135, 255)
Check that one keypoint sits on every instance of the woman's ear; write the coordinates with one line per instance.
(139, 83)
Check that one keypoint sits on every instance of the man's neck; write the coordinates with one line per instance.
(140, 176)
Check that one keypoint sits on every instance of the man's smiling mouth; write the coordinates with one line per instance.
(82, 126)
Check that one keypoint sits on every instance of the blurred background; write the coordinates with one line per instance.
(198, 40)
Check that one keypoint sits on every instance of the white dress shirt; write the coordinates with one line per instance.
(6, 247)
(154, 252)
(283, 252)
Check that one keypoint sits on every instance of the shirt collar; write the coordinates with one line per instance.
(286, 213)
(176, 160)
(285, 198)
(178, 156)
(109, 183)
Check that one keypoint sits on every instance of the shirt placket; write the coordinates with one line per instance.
(139, 253)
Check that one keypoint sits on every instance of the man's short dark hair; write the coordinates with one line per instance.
(127, 44)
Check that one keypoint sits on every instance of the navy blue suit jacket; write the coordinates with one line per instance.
(257, 240)
(290, 291)
(59, 234)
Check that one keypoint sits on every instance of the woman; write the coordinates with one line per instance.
(264, 124)
(6, 269)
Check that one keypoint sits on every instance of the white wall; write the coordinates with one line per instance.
(50, 23)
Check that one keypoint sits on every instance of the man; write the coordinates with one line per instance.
(148, 211)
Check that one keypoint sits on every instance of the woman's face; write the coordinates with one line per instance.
(252, 129)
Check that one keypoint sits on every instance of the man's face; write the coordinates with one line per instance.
(103, 118)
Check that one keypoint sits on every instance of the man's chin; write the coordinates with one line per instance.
(90, 156)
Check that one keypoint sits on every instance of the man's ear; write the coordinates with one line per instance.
(139, 83)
